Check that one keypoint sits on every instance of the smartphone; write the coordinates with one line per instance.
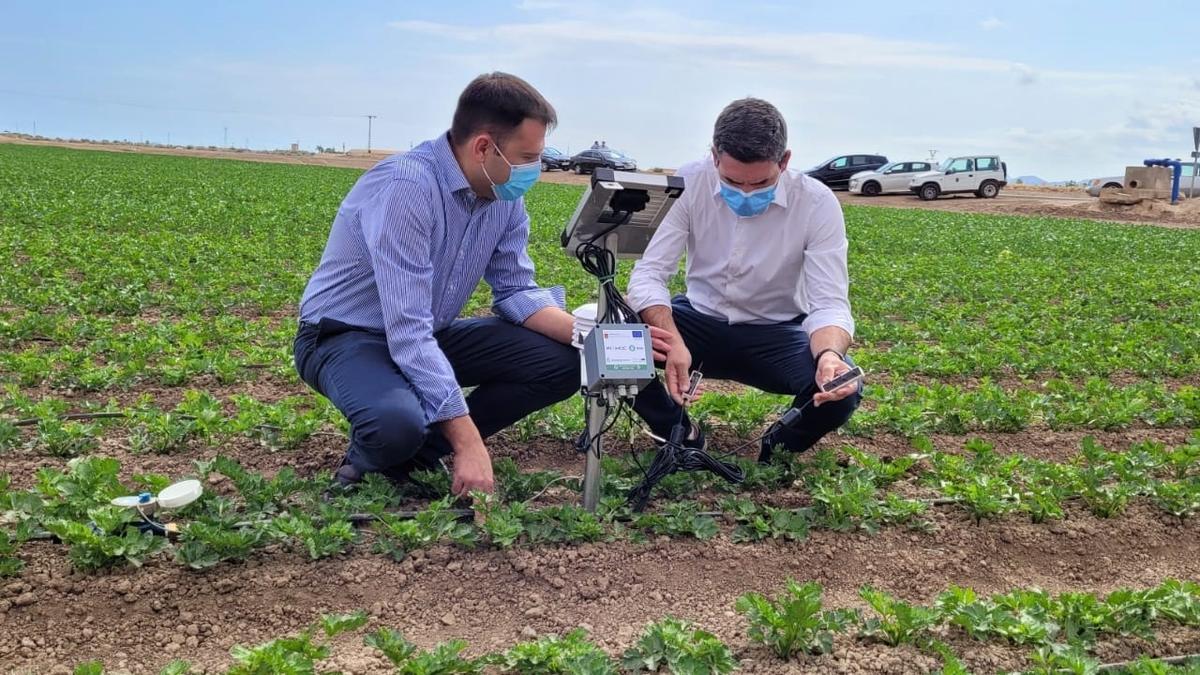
(853, 375)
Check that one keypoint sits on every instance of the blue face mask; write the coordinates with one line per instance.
(521, 177)
(748, 204)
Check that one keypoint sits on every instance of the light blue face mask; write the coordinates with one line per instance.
(748, 204)
(521, 177)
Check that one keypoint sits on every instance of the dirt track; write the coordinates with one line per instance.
(1058, 203)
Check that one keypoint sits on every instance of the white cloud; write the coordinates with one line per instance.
(675, 73)
(828, 50)
(991, 23)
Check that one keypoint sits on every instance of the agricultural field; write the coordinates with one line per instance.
(1018, 493)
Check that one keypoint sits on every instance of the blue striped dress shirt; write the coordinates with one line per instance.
(409, 245)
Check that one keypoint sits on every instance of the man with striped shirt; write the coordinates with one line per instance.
(380, 334)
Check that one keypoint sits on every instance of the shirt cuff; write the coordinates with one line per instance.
(641, 298)
(454, 405)
(519, 306)
(828, 317)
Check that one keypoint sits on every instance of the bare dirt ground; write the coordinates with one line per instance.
(1059, 202)
(136, 620)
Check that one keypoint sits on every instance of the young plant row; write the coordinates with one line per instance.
(199, 420)
(285, 510)
(1058, 630)
(202, 420)
(669, 645)
(119, 353)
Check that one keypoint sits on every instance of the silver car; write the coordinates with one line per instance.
(891, 177)
(1095, 185)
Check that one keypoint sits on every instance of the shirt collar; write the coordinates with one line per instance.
(781, 197)
(447, 164)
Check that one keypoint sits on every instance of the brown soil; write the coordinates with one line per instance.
(1041, 202)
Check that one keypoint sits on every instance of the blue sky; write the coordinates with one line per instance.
(1061, 89)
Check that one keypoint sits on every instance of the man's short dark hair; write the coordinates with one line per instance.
(498, 103)
(750, 130)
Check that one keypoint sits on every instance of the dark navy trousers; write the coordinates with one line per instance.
(775, 358)
(515, 371)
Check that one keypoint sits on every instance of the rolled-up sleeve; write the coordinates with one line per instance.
(826, 277)
(510, 274)
(648, 281)
(397, 226)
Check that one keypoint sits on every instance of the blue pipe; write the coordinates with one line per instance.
(1173, 163)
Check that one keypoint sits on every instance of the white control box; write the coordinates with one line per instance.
(618, 354)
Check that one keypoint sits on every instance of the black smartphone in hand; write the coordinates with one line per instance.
(852, 375)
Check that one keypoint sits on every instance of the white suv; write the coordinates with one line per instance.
(982, 174)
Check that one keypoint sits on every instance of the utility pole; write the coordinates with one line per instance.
(932, 156)
(370, 119)
(225, 142)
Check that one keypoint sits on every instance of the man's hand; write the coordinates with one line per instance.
(678, 370)
(829, 367)
(472, 464)
(472, 471)
(829, 363)
(662, 341)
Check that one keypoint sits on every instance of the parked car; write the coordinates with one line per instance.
(982, 174)
(553, 158)
(836, 172)
(1095, 185)
(588, 160)
(891, 177)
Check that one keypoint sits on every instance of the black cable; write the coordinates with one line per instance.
(610, 421)
(770, 430)
(601, 263)
(672, 457)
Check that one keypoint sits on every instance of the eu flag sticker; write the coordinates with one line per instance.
(637, 333)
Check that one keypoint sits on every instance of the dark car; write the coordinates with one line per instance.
(553, 158)
(588, 160)
(836, 172)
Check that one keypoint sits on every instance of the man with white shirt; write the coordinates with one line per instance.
(767, 287)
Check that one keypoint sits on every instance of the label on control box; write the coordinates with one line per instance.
(625, 350)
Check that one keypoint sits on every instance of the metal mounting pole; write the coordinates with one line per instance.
(596, 407)
(598, 404)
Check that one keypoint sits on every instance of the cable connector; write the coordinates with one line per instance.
(789, 420)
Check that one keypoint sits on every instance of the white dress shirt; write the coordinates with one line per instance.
(770, 268)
